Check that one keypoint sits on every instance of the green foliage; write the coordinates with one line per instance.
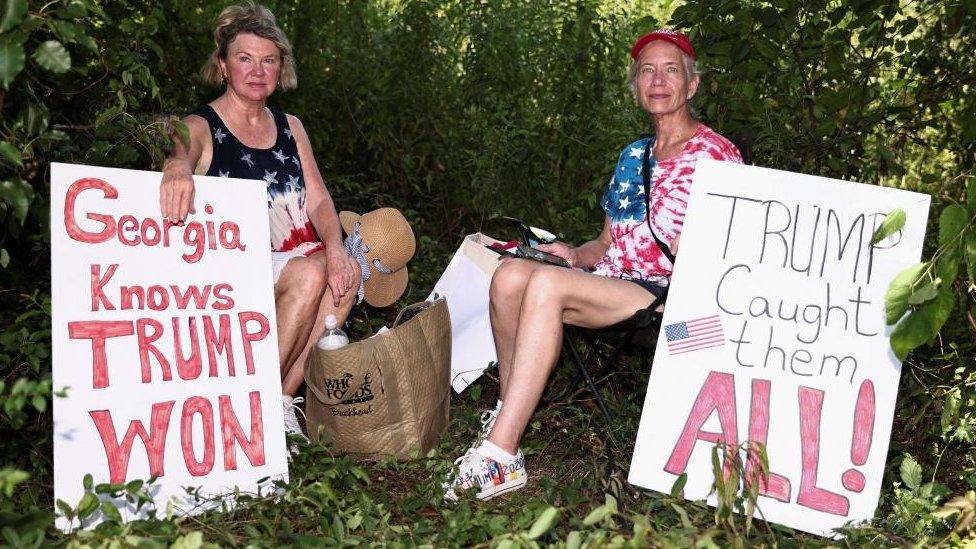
(930, 288)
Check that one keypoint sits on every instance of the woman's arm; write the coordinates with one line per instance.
(584, 255)
(176, 189)
(322, 213)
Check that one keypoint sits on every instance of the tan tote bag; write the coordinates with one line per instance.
(388, 394)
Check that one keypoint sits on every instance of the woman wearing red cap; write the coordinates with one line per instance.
(623, 270)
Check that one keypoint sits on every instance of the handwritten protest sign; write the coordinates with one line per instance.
(774, 335)
(164, 338)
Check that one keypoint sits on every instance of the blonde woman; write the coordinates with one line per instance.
(239, 135)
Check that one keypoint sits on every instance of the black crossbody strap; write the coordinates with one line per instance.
(646, 173)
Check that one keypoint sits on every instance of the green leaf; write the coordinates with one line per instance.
(925, 293)
(544, 523)
(11, 58)
(900, 288)
(88, 482)
(193, 540)
(13, 13)
(65, 509)
(952, 222)
(574, 540)
(110, 511)
(4, 258)
(950, 410)
(597, 515)
(892, 223)
(18, 194)
(39, 403)
(10, 153)
(52, 56)
(679, 485)
(107, 115)
(923, 324)
(911, 472)
(87, 505)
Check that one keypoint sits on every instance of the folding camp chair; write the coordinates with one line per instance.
(637, 333)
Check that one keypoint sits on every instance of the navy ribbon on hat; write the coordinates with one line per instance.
(357, 249)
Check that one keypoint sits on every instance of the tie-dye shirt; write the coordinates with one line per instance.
(279, 167)
(633, 252)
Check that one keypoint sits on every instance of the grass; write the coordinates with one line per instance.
(334, 501)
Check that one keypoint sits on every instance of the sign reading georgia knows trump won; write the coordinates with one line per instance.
(774, 338)
(165, 354)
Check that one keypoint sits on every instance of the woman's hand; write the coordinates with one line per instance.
(342, 271)
(562, 250)
(176, 191)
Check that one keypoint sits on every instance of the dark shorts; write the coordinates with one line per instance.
(655, 289)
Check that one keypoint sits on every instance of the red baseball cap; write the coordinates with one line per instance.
(668, 35)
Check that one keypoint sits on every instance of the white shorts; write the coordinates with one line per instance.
(279, 259)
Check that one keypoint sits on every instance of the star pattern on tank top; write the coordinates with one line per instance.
(219, 135)
(246, 158)
(288, 133)
(292, 182)
(223, 174)
(271, 178)
(280, 156)
(295, 160)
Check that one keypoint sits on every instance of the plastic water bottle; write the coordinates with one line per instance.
(333, 337)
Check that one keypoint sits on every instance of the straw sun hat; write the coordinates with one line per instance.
(382, 242)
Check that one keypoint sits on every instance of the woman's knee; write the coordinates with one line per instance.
(547, 286)
(304, 277)
(509, 280)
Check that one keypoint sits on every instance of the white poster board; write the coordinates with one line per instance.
(464, 284)
(774, 332)
(163, 339)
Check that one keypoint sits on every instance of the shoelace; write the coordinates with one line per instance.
(471, 455)
(464, 465)
(291, 419)
(488, 418)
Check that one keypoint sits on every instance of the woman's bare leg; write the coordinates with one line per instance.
(293, 376)
(553, 296)
(505, 301)
(297, 295)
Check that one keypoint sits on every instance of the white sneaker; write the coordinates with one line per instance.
(292, 427)
(493, 478)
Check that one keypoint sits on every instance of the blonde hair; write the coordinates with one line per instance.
(248, 18)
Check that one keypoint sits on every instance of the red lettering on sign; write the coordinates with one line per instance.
(98, 331)
(187, 368)
(70, 221)
(249, 337)
(770, 484)
(232, 432)
(716, 395)
(218, 344)
(202, 407)
(810, 495)
(97, 283)
(146, 346)
(117, 453)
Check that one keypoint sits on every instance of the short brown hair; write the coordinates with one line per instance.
(248, 18)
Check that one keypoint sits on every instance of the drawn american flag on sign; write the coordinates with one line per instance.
(695, 334)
